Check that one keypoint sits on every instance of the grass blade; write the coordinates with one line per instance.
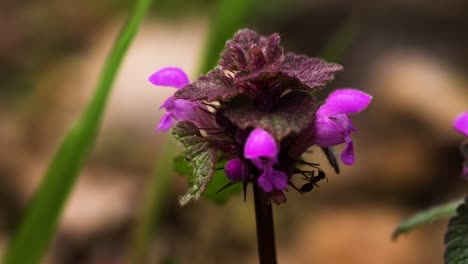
(229, 17)
(341, 40)
(155, 202)
(40, 220)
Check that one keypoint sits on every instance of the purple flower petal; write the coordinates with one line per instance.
(328, 133)
(347, 156)
(461, 123)
(184, 110)
(172, 77)
(280, 180)
(260, 144)
(265, 182)
(345, 101)
(272, 178)
(178, 109)
(165, 123)
(344, 121)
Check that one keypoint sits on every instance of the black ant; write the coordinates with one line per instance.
(312, 180)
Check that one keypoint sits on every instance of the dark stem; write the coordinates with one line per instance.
(265, 227)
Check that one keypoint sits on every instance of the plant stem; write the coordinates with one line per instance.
(265, 227)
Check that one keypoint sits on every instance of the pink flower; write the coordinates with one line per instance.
(461, 123)
(262, 149)
(333, 126)
(177, 109)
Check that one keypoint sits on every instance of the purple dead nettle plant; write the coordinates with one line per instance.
(256, 111)
(461, 124)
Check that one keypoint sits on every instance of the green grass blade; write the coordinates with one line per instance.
(154, 203)
(342, 39)
(40, 220)
(425, 217)
(229, 17)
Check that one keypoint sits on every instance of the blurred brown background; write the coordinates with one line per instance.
(412, 56)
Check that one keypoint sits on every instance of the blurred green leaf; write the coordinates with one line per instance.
(426, 216)
(168, 260)
(341, 40)
(155, 202)
(219, 181)
(39, 223)
(456, 238)
(229, 17)
(183, 167)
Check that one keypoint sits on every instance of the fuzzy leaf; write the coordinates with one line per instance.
(211, 87)
(201, 154)
(248, 51)
(311, 72)
(234, 56)
(256, 59)
(292, 114)
(456, 238)
(219, 180)
(273, 50)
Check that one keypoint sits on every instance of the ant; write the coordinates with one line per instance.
(312, 180)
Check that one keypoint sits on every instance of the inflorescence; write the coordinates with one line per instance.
(256, 110)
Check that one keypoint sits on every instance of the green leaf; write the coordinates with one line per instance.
(427, 216)
(201, 154)
(456, 238)
(219, 180)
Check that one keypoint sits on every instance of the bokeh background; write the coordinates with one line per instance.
(412, 56)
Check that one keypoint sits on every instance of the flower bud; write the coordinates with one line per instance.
(236, 170)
